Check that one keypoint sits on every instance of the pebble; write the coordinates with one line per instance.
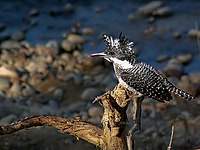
(33, 12)
(163, 12)
(195, 77)
(90, 93)
(184, 59)
(10, 44)
(69, 8)
(58, 94)
(15, 90)
(67, 45)
(133, 16)
(173, 68)
(150, 7)
(4, 83)
(76, 77)
(177, 35)
(95, 111)
(75, 38)
(8, 119)
(87, 31)
(4, 72)
(194, 33)
(18, 36)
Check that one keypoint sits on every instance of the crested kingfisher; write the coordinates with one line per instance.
(137, 77)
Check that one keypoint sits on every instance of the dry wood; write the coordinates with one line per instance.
(112, 136)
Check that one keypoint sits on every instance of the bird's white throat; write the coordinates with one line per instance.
(122, 63)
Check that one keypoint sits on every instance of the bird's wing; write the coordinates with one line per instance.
(146, 80)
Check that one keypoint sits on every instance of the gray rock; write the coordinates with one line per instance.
(184, 59)
(8, 119)
(174, 68)
(69, 8)
(76, 77)
(10, 44)
(90, 93)
(148, 8)
(177, 35)
(163, 12)
(58, 94)
(4, 83)
(95, 111)
(68, 45)
(18, 36)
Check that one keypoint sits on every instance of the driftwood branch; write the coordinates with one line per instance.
(114, 133)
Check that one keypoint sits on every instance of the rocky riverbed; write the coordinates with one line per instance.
(45, 68)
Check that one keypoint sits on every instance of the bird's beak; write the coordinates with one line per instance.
(102, 54)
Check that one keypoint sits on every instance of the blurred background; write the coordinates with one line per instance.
(45, 68)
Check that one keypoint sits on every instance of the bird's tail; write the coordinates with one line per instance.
(181, 93)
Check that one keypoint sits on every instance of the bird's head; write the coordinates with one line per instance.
(119, 50)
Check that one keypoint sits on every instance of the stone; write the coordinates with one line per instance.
(75, 38)
(33, 12)
(10, 44)
(69, 8)
(194, 33)
(4, 72)
(184, 59)
(173, 68)
(8, 119)
(76, 77)
(58, 94)
(67, 45)
(18, 36)
(87, 31)
(4, 83)
(148, 8)
(90, 93)
(163, 12)
(15, 90)
(195, 77)
(95, 111)
(28, 90)
(177, 35)
(133, 16)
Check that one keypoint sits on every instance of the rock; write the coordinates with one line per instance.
(194, 33)
(90, 93)
(87, 31)
(174, 68)
(4, 72)
(10, 44)
(68, 46)
(75, 38)
(15, 90)
(163, 12)
(133, 16)
(58, 94)
(4, 83)
(177, 35)
(95, 111)
(53, 47)
(184, 59)
(8, 119)
(98, 9)
(195, 77)
(76, 77)
(33, 12)
(68, 8)
(162, 58)
(148, 8)
(27, 90)
(18, 36)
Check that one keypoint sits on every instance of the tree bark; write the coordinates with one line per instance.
(112, 136)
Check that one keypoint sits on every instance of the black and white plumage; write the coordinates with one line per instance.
(140, 78)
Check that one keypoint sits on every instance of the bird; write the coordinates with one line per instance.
(138, 77)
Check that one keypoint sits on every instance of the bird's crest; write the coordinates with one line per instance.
(120, 45)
